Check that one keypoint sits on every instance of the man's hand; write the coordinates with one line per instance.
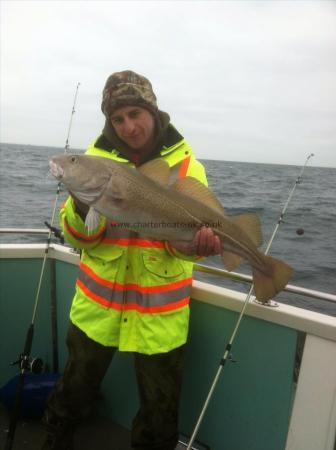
(205, 243)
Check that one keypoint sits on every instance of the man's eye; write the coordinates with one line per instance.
(135, 113)
(116, 121)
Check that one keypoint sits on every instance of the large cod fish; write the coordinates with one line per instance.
(143, 201)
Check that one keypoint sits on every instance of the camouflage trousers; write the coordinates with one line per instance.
(155, 426)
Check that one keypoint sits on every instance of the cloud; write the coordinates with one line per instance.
(247, 76)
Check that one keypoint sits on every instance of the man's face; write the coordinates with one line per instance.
(135, 126)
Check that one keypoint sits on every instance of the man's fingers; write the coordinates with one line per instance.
(202, 242)
(207, 242)
(217, 246)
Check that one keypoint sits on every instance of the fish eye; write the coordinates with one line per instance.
(73, 159)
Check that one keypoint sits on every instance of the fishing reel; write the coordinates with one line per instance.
(56, 232)
(29, 364)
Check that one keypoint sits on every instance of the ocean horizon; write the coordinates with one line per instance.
(28, 192)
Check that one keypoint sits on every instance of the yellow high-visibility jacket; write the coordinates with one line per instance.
(132, 293)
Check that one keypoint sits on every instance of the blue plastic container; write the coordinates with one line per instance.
(37, 388)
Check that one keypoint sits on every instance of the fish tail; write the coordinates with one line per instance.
(271, 280)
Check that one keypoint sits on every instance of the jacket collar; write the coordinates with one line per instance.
(172, 139)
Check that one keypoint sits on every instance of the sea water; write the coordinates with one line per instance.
(27, 194)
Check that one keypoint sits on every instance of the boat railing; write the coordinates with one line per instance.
(240, 277)
(24, 231)
(234, 276)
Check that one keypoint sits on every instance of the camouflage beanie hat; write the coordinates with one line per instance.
(127, 88)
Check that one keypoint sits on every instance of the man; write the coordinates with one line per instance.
(127, 284)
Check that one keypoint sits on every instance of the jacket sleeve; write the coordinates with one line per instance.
(196, 170)
(74, 228)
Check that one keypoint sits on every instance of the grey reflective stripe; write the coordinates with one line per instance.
(105, 292)
(148, 300)
(143, 299)
(174, 172)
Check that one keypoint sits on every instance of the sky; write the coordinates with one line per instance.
(242, 80)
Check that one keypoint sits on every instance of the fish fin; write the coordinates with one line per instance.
(250, 224)
(198, 191)
(231, 261)
(157, 170)
(92, 220)
(268, 283)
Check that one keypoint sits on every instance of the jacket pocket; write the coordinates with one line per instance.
(162, 266)
(104, 263)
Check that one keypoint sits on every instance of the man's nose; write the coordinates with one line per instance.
(128, 125)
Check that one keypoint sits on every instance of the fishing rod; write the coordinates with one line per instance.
(227, 354)
(24, 361)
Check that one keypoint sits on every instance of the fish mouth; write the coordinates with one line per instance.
(56, 170)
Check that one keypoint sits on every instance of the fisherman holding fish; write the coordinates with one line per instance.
(133, 290)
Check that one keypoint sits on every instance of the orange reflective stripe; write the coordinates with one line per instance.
(131, 306)
(97, 278)
(156, 289)
(97, 298)
(133, 241)
(184, 167)
(133, 286)
(81, 236)
(157, 309)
